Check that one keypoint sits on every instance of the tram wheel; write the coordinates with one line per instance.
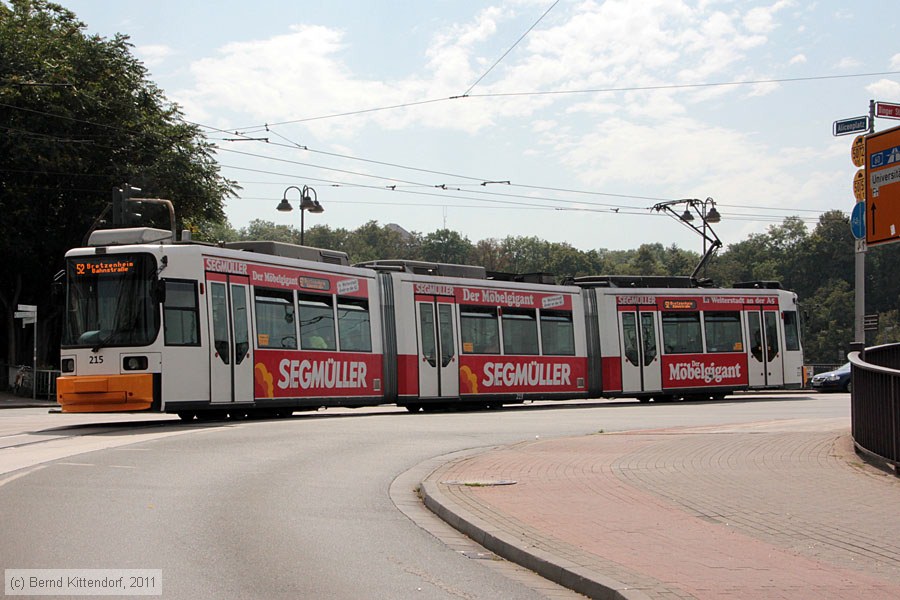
(187, 416)
(413, 408)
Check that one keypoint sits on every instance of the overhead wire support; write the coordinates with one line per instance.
(687, 219)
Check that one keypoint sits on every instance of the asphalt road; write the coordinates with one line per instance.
(293, 508)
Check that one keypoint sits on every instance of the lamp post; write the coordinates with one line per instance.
(307, 203)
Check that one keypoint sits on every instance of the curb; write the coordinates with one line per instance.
(566, 573)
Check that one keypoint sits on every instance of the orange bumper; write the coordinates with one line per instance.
(108, 393)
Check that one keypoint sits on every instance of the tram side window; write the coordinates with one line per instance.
(353, 325)
(479, 330)
(316, 322)
(723, 331)
(791, 331)
(681, 333)
(275, 327)
(181, 314)
(520, 335)
(557, 333)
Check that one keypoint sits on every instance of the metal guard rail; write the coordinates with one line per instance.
(875, 404)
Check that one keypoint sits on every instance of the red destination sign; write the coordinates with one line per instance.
(886, 110)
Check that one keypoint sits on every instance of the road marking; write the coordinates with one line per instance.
(17, 475)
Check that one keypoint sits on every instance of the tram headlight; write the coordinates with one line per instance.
(134, 363)
(67, 365)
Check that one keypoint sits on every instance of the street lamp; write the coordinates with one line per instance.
(307, 203)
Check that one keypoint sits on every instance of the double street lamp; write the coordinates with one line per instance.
(309, 201)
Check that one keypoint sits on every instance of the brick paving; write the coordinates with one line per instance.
(766, 510)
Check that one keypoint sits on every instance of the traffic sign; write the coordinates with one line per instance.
(870, 322)
(858, 151)
(848, 126)
(887, 110)
(859, 185)
(27, 308)
(883, 187)
(858, 220)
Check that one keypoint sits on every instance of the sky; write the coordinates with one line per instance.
(568, 120)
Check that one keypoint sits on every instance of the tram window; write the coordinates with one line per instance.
(353, 325)
(479, 330)
(275, 327)
(181, 314)
(770, 319)
(316, 322)
(519, 331)
(557, 333)
(791, 331)
(723, 331)
(681, 333)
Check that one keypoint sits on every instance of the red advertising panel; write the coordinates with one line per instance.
(512, 298)
(292, 374)
(521, 374)
(291, 279)
(695, 303)
(704, 370)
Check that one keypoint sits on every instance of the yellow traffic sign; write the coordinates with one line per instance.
(858, 151)
(859, 185)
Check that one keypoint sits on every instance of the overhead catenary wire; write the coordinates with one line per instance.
(510, 49)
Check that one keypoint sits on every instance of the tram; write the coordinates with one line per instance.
(269, 328)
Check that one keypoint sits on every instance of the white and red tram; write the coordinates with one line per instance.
(264, 327)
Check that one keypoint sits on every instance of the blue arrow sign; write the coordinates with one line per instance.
(858, 220)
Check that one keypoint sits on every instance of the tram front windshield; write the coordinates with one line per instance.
(111, 301)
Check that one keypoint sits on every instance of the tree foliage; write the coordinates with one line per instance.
(79, 116)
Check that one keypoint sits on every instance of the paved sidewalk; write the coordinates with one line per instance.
(765, 510)
(10, 400)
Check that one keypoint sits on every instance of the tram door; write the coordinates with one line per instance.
(765, 360)
(438, 363)
(641, 364)
(231, 368)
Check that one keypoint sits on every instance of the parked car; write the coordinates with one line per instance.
(833, 381)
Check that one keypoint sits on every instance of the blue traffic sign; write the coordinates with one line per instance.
(858, 220)
(847, 126)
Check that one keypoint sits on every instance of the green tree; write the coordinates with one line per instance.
(259, 229)
(79, 117)
(446, 246)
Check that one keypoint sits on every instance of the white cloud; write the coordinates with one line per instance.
(687, 157)
(761, 19)
(895, 61)
(797, 59)
(613, 44)
(846, 63)
(153, 54)
(886, 89)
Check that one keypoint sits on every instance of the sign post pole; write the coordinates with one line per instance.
(859, 275)
(28, 314)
